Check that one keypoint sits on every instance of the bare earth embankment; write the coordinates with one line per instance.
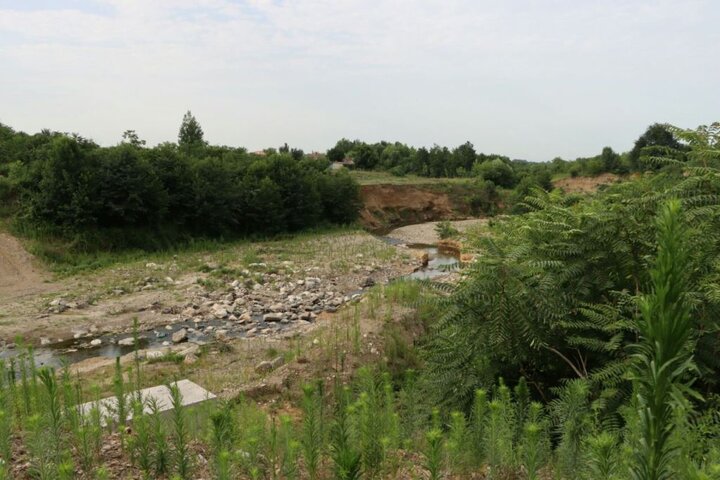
(19, 275)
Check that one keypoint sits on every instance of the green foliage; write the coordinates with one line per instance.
(446, 230)
(180, 435)
(312, 432)
(664, 354)
(128, 196)
(346, 457)
(434, 453)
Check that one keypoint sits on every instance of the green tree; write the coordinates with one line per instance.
(191, 134)
(657, 140)
(132, 138)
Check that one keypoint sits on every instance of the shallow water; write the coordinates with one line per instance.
(75, 350)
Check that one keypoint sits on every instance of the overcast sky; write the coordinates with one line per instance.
(526, 78)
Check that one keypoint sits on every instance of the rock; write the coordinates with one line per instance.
(180, 336)
(190, 359)
(192, 349)
(276, 307)
(277, 362)
(264, 367)
(272, 317)
(58, 302)
(151, 265)
(126, 342)
(245, 317)
(367, 283)
(44, 341)
(95, 342)
(219, 311)
(221, 335)
(169, 280)
(155, 354)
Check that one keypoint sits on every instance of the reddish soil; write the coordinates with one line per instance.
(387, 206)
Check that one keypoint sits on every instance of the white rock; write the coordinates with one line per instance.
(95, 342)
(180, 336)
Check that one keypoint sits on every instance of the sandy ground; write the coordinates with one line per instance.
(18, 274)
(585, 184)
(425, 234)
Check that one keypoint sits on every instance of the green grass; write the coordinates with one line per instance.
(60, 257)
(385, 178)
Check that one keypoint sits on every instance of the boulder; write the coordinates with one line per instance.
(180, 336)
(95, 342)
(272, 317)
(126, 342)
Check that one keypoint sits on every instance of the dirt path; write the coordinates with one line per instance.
(18, 274)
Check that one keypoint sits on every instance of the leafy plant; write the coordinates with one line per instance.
(664, 354)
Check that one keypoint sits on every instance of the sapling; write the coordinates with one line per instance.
(457, 442)
(53, 410)
(161, 454)
(70, 400)
(346, 458)
(369, 423)
(522, 403)
(291, 447)
(479, 421)
(5, 436)
(142, 441)
(602, 461)
(66, 470)
(223, 436)
(664, 355)
(120, 401)
(534, 443)
(180, 436)
(311, 430)
(434, 453)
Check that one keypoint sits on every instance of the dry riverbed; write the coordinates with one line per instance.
(248, 290)
(425, 233)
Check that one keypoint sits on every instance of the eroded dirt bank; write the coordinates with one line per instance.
(388, 206)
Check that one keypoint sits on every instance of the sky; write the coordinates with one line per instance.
(530, 79)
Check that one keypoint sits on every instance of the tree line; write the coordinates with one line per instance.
(464, 161)
(70, 185)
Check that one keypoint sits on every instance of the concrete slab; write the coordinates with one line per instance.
(192, 393)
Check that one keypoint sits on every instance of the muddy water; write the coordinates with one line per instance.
(439, 263)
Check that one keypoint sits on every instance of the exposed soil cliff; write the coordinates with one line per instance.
(388, 206)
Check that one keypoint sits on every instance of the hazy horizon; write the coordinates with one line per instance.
(526, 79)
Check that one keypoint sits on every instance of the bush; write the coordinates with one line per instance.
(445, 230)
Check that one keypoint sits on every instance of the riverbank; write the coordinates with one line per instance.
(426, 234)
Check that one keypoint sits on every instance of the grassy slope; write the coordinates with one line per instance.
(385, 178)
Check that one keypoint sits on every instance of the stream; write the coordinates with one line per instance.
(78, 349)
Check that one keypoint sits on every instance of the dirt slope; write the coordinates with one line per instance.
(585, 184)
(387, 206)
(18, 273)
